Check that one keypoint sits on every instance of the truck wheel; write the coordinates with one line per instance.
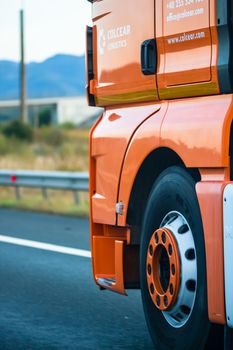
(228, 338)
(173, 265)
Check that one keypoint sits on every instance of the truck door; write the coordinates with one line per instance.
(185, 46)
(120, 29)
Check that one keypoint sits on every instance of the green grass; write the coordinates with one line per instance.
(58, 202)
(53, 149)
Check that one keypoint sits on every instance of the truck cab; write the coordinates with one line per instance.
(161, 180)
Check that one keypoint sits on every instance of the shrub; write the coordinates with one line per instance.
(4, 145)
(18, 130)
(68, 126)
(52, 136)
(45, 117)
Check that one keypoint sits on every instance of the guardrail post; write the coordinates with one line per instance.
(76, 197)
(45, 193)
(68, 181)
(17, 193)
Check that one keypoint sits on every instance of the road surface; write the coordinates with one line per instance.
(48, 299)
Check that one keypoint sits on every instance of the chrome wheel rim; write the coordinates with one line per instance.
(181, 311)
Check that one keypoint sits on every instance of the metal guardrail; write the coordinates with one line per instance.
(72, 181)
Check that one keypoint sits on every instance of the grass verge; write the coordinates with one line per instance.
(52, 149)
(58, 202)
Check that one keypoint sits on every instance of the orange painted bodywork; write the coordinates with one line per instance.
(118, 77)
(109, 145)
(201, 140)
(187, 51)
(210, 201)
(179, 109)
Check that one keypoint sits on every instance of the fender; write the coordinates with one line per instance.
(210, 197)
(197, 130)
(109, 143)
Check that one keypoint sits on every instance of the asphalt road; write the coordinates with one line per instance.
(48, 300)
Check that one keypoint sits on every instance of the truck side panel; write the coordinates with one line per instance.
(120, 30)
(110, 140)
(197, 130)
(187, 48)
(210, 194)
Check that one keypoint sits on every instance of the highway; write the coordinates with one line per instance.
(48, 299)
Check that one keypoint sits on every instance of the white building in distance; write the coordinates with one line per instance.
(61, 110)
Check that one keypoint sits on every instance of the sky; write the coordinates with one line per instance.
(51, 27)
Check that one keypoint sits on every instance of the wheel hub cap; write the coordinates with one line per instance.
(172, 269)
(163, 269)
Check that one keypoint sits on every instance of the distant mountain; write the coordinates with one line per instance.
(60, 75)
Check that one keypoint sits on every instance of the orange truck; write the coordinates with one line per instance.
(161, 163)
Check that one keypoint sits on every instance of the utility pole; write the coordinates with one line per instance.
(23, 88)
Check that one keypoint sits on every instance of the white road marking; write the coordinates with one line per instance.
(45, 246)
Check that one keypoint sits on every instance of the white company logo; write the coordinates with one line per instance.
(102, 41)
(114, 38)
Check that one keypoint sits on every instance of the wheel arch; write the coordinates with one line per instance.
(153, 165)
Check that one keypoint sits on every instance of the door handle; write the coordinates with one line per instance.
(149, 57)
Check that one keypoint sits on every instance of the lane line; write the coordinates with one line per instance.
(45, 246)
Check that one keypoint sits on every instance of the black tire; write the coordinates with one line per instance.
(174, 190)
(228, 338)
